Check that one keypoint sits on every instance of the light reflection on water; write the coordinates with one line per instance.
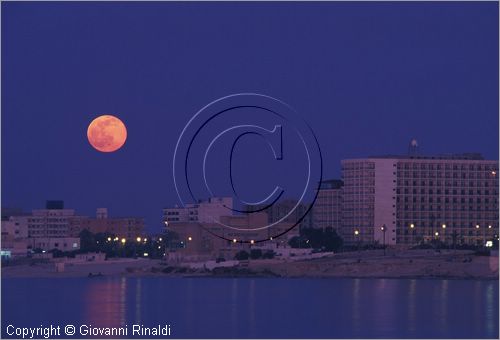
(257, 308)
(412, 296)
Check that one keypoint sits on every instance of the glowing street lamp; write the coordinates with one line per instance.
(190, 238)
(477, 226)
(252, 241)
(124, 240)
(356, 236)
(234, 240)
(109, 239)
(138, 239)
(444, 226)
(412, 226)
(383, 228)
(436, 233)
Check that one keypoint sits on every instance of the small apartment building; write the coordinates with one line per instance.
(53, 221)
(208, 211)
(127, 227)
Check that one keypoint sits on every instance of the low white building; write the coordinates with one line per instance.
(60, 243)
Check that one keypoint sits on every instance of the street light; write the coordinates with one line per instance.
(383, 228)
(124, 240)
(412, 226)
(138, 239)
(356, 234)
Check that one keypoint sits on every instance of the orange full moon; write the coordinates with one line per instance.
(107, 133)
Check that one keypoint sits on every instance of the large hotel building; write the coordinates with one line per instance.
(409, 199)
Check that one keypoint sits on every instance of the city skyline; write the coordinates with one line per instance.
(253, 170)
(369, 89)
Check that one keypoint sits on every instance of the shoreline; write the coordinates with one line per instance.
(456, 265)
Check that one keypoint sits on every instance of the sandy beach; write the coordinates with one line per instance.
(365, 264)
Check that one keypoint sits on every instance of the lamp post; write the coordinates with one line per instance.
(477, 228)
(383, 228)
(444, 233)
(356, 236)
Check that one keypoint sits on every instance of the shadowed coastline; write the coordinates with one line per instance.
(366, 264)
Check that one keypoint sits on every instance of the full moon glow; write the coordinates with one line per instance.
(107, 133)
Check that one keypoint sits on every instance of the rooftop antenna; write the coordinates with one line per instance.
(413, 149)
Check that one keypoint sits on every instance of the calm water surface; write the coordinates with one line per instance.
(260, 308)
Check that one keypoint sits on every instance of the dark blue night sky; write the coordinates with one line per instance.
(366, 77)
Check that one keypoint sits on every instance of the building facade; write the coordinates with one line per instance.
(53, 221)
(287, 210)
(409, 199)
(202, 212)
(123, 227)
(16, 226)
(327, 210)
(198, 241)
(57, 228)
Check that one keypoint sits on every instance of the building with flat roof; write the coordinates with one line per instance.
(122, 227)
(57, 228)
(409, 199)
(212, 240)
(50, 243)
(289, 210)
(327, 210)
(53, 221)
(207, 211)
(16, 226)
